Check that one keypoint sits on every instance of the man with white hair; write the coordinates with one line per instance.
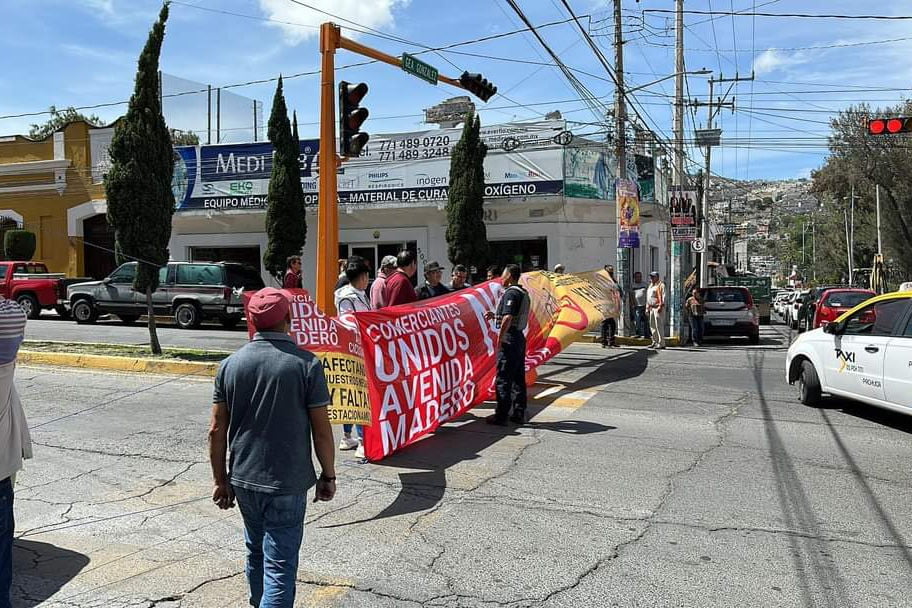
(15, 442)
(378, 287)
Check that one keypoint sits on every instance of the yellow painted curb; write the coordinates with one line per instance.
(120, 364)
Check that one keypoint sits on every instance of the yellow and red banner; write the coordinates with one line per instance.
(403, 371)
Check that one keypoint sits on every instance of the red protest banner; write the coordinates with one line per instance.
(426, 363)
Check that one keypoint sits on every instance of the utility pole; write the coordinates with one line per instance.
(850, 235)
(877, 200)
(714, 107)
(677, 249)
(623, 253)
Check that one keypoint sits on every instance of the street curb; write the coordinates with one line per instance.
(120, 364)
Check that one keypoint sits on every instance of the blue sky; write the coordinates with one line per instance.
(83, 52)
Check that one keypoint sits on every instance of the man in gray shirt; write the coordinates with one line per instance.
(640, 319)
(270, 398)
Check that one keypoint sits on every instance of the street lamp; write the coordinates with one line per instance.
(701, 72)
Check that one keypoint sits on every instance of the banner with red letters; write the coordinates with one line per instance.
(405, 370)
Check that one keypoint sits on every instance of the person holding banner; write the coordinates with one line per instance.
(511, 317)
(270, 399)
(352, 298)
(399, 288)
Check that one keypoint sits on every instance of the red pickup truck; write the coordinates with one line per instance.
(33, 287)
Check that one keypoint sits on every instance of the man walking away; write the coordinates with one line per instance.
(432, 287)
(609, 324)
(399, 288)
(640, 318)
(655, 305)
(351, 298)
(458, 280)
(511, 317)
(293, 277)
(15, 442)
(270, 398)
(696, 308)
(378, 288)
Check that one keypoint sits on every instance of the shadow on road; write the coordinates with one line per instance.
(465, 438)
(894, 420)
(868, 493)
(47, 567)
(811, 557)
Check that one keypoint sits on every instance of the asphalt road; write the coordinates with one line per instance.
(685, 477)
(209, 336)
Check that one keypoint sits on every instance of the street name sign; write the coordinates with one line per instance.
(416, 67)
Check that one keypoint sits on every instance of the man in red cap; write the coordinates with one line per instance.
(270, 399)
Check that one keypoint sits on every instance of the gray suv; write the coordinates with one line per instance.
(191, 292)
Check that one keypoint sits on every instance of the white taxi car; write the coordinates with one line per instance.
(865, 354)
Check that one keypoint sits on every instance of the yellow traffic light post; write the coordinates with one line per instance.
(331, 39)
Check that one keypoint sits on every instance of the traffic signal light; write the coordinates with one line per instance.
(890, 125)
(351, 117)
(478, 86)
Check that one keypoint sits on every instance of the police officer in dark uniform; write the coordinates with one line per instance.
(511, 316)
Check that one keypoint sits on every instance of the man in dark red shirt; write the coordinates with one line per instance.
(293, 279)
(399, 288)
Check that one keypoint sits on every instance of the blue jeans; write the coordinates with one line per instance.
(641, 321)
(6, 541)
(347, 429)
(273, 530)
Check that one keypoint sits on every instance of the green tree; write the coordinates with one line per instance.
(863, 161)
(19, 245)
(466, 235)
(60, 119)
(138, 185)
(286, 220)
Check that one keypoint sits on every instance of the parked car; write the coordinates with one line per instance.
(863, 355)
(833, 302)
(779, 302)
(191, 292)
(793, 306)
(33, 287)
(730, 311)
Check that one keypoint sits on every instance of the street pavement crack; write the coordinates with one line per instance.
(67, 448)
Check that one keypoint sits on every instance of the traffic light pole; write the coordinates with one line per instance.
(331, 39)
(622, 253)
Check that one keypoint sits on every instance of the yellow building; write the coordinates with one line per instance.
(54, 188)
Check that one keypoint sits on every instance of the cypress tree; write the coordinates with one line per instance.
(286, 222)
(467, 240)
(138, 186)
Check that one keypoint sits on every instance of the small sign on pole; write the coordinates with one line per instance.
(422, 70)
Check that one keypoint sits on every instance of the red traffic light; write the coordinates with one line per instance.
(890, 125)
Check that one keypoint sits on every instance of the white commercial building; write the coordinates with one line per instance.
(547, 200)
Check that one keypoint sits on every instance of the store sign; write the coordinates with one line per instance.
(682, 204)
(628, 213)
(395, 169)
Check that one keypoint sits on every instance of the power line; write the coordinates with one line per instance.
(789, 15)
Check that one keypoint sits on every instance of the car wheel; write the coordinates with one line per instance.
(808, 384)
(62, 312)
(29, 305)
(754, 338)
(188, 316)
(84, 312)
(128, 319)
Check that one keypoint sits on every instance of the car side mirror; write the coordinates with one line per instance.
(833, 328)
(106, 280)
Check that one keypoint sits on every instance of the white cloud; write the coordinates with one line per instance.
(772, 60)
(105, 6)
(300, 22)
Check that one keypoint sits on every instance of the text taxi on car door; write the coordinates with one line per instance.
(865, 354)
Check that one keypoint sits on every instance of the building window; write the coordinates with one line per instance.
(653, 259)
